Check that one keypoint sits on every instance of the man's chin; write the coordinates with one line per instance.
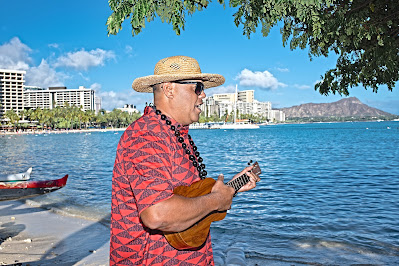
(195, 119)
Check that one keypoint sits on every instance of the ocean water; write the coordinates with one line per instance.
(329, 193)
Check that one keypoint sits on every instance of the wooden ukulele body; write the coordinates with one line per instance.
(196, 235)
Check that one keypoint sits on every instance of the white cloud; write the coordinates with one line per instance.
(44, 76)
(220, 89)
(112, 99)
(96, 87)
(264, 80)
(15, 55)
(53, 45)
(282, 69)
(83, 60)
(83, 76)
(302, 87)
(128, 49)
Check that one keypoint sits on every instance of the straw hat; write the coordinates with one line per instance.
(176, 68)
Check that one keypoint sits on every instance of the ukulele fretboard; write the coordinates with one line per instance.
(238, 182)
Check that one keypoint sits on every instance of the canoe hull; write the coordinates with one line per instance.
(27, 189)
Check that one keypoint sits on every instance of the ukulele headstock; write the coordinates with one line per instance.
(256, 170)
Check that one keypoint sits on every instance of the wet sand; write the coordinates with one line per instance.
(38, 236)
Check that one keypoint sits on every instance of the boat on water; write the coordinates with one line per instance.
(241, 124)
(18, 186)
(18, 177)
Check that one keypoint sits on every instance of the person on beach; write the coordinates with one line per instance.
(154, 156)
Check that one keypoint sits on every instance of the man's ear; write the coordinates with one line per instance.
(168, 89)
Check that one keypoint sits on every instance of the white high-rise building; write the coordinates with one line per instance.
(129, 108)
(241, 96)
(97, 104)
(221, 104)
(224, 97)
(276, 115)
(57, 96)
(37, 97)
(11, 90)
(247, 96)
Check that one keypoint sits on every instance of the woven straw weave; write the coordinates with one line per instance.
(176, 68)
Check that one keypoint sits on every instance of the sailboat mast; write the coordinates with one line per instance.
(235, 105)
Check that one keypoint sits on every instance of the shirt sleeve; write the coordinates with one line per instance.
(148, 166)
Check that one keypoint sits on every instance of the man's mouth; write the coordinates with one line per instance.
(198, 106)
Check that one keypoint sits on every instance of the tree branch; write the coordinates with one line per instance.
(359, 7)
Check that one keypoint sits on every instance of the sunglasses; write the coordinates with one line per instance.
(199, 86)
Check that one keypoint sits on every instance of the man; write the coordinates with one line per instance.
(155, 155)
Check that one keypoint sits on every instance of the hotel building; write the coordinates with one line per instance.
(35, 97)
(129, 108)
(247, 96)
(220, 104)
(11, 90)
(97, 104)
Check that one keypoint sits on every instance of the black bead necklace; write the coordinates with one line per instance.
(194, 158)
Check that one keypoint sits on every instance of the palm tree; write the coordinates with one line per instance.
(100, 118)
(28, 114)
(113, 117)
(37, 114)
(13, 118)
(88, 117)
(79, 115)
(47, 118)
(58, 117)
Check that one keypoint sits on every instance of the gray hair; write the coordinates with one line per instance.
(156, 87)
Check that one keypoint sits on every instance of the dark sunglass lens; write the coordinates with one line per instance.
(199, 88)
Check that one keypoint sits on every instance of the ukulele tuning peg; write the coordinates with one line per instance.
(249, 163)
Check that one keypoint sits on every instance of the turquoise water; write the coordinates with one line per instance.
(329, 192)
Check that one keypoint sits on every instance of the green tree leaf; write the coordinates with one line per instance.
(364, 34)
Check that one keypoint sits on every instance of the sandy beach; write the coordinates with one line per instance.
(38, 236)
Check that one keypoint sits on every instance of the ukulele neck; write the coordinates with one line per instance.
(239, 182)
(242, 180)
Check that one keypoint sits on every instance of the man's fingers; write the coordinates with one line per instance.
(254, 177)
(248, 168)
(221, 177)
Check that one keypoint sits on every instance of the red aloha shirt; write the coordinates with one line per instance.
(149, 164)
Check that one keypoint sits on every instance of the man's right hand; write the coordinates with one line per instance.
(158, 215)
(223, 193)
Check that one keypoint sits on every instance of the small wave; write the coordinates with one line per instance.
(70, 211)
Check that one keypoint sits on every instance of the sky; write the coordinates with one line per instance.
(65, 43)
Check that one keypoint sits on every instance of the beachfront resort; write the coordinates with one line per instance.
(29, 107)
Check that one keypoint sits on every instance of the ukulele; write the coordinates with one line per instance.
(196, 235)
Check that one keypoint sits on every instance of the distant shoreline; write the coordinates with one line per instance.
(40, 132)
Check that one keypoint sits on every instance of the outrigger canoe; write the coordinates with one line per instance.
(12, 190)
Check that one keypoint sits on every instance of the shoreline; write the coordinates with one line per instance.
(38, 236)
(31, 235)
(195, 126)
(40, 132)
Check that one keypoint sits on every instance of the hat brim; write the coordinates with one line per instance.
(144, 84)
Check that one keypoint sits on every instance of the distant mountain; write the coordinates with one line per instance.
(348, 107)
